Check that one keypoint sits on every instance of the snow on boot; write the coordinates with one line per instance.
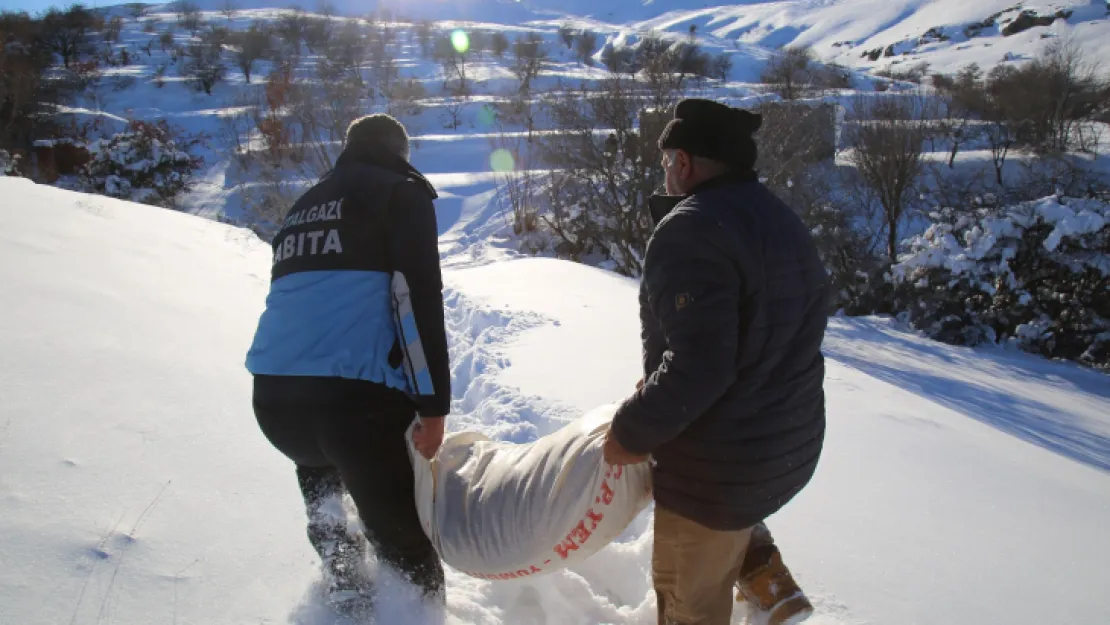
(348, 589)
(773, 597)
(357, 604)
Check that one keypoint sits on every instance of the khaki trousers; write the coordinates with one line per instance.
(695, 570)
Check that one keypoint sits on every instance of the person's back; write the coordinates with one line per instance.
(766, 431)
(731, 407)
(351, 348)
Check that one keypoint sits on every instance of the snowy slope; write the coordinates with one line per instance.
(958, 486)
(840, 30)
(750, 31)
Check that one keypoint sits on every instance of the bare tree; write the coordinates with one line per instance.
(404, 97)
(383, 58)
(721, 66)
(518, 182)
(658, 62)
(425, 32)
(344, 56)
(205, 67)
(25, 91)
(529, 55)
(112, 29)
(188, 15)
(584, 46)
(160, 76)
(455, 104)
(291, 28)
(216, 35)
(499, 44)
(963, 98)
(618, 60)
(454, 61)
(320, 113)
(887, 144)
(229, 8)
(1053, 94)
(790, 74)
(66, 33)
(793, 138)
(1001, 137)
(520, 110)
(566, 35)
(597, 196)
(252, 44)
(317, 33)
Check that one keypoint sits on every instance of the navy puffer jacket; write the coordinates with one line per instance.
(733, 310)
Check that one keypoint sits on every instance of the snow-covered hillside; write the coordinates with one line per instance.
(864, 35)
(958, 486)
(945, 33)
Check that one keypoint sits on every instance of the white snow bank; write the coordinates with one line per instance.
(1069, 217)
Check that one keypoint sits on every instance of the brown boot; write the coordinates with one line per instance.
(766, 584)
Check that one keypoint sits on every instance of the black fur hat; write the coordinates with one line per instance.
(714, 131)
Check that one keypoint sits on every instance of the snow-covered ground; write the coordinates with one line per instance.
(957, 486)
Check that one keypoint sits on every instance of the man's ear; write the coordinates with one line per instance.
(685, 163)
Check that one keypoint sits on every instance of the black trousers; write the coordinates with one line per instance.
(348, 435)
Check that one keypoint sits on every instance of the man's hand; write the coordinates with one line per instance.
(616, 454)
(428, 436)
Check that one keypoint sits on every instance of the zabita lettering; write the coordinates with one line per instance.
(317, 242)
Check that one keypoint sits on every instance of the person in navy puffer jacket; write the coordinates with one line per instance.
(731, 406)
(351, 348)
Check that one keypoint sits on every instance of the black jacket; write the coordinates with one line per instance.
(378, 216)
(733, 311)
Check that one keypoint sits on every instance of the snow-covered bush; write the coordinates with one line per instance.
(9, 164)
(1036, 274)
(148, 163)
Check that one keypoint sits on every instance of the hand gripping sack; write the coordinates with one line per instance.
(502, 510)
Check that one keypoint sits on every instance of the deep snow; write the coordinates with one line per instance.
(957, 485)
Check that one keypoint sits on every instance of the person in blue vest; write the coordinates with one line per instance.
(351, 348)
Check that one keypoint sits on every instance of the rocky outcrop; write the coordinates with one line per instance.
(1031, 19)
(933, 35)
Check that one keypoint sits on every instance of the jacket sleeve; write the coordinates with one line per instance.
(414, 251)
(693, 289)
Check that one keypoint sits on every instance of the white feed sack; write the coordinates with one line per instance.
(501, 510)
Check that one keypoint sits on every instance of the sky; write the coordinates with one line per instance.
(34, 6)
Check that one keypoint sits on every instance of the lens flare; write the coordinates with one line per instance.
(501, 161)
(461, 41)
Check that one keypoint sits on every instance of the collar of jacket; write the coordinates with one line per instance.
(660, 205)
(372, 155)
